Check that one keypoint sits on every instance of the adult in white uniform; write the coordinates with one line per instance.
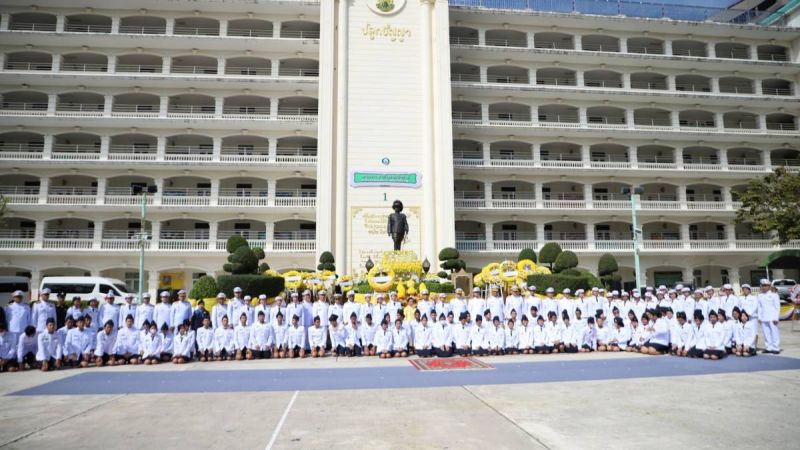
(769, 309)
(18, 314)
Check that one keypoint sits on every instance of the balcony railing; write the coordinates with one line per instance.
(197, 70)
(140, 68)
(295, 197)
(31, 26)
(23, 108)
(188, 153)
(84, 67)
(142, 29)
(195, 31)
(247, 32)
(87, 28)
(28, 65)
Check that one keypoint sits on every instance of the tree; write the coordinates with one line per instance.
(526, 253)
(566, 260)
(770, 203)
(204, 287)
(607, 265)
(326, 262)
(451, 260)
(549, 253)
(242, 259)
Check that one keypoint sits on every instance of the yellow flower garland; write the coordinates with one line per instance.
(292, 279)
(377, 285)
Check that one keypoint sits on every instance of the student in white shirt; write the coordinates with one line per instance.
(603, 334)
(588, 342)
(680, 335)
(49, 350)
(352, 332)
(477, 336)
(620, 336)
(279, 337)
(104, 345)
(368, 330)
(127, 309)
(540, 336)
(92, 314)
(183, 345)
(261, 343)
(75, 311)
(525, 336)
(126, 347)
(241, 337)
(218, 311)
(78, 347)
(746, 345)
(296, 338)
(223, 341)
(42, 310)
(399, 339)
(144, 312)
(510, 338)
(317, 337)
(715, 338)
(150, 345)
(658, 344)
(167, 338)
(423, 335)
(570, 334)
(476, 305)
(384, 341)
(8, 349)
(109, 311)
(205, 341)
(494, 340)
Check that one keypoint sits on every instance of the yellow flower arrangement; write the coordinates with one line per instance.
(380, 279)
(526, 267)
(477, 280)
(345, 283)
(292, 279)
(314, 281)
(508, 271)
(491, 273)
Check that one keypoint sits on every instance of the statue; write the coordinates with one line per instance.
(397, 226)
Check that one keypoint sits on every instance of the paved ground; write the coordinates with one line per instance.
(559, 401)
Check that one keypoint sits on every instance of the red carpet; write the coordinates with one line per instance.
(456, 363)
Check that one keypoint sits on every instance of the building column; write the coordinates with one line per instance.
(60, 20)
(108, 104)
(688, 276)
(488, 236)
(676, 120)
(579, 78)
(159, 182)
(586, 157)
(5, 18)
(714, 81)
(682, 197)
(671, 83)
(538, 187)
(766, 157)
(214, 200)
(730, 235)
(268, 236)
(115, 25)
(735, 279)
(272, 148)
(531, 43)
(588, 230)
(38, 235)
(678, 157)
(484, 74)
(532, 77)
(97, 239)
(578, 42)
(623, 45)
(274, 67)
(758, 87)
(152, 282)
(105, 141)
(161, 148)
(753, 51)
(155, 230)
(711, 50)
(481, 36)
(52, 101)
(629, 118)
(102, 182)
(588, 195)
(272, 187)
(582, 116)
(626, 80)
(166, 64)
(223, 28)
(722, 156)
(219, 104)
(487, 153)
(719, 121)
(47, 151)
(56, 63)
(668, 47)
(213, 229)
(276, 28)
(220, 65)
(539, 229)
(685, 235)
(44, 187)
(36, 281)
(633, 157)
(537, 154)
(163, 106)
(484, 113)
(273, 107)
(487, 193)
(216, 150)
(762, 122)
(170, 26)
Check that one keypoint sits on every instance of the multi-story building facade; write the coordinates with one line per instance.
(500, 124)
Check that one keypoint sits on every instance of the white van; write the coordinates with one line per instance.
(9, 284)
(85, 287)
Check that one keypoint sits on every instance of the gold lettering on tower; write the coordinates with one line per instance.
(394, 34)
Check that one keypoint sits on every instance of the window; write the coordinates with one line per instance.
(245, 149)
(506, 153)
(725, 277)
(76, 289)
(131, 281)
(201, 226)
(697, 275)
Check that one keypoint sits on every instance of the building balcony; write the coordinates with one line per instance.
(478, 244)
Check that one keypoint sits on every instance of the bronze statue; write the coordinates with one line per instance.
(397, 226)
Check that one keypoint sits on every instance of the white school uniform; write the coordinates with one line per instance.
(74, 312)
(48, 346)
(478, 338)
(513, 303)
(349, 307)
(530, 301)
(748, 334)
(552, 333)
(715, 336)
(105, 343)
(495, 337)
(368, 333)
(589, 337)
(423, 337)
(317, 337)
(79, 342)
(525, 337)
(458, 306)
(621, 336)
(8, 346)
(217, 313)
(511, 337)
(223, 340)
(27, 344)
(261, 336)
(144, 312)
(750, 304)
(603, 335)
(150, 345)
(261, 308)
(384, 341)
(161, 314)
(183, 345)
(476, 306)
(279, 335)
(127, 341)
(41, 311)
(241, 337)
(124, 310)
(399, 339)
(108, 311)
(539, 335)
(441, 308)
(769, 307)
(352, 335)
(570, 334)
(94, 313)
(548, 305)
(205, 339)
(18, 317)
(425, 307)
(296, 336)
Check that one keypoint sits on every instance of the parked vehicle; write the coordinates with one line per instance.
(85, 287)
(784, 286)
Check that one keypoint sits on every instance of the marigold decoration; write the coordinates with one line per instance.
(491, 273)
(328, 278)
(271, 273)
(411, 288)
(422, 287)
(542, 270)
(526, 266)
(404, 263)
(380, 280)
(313, 281)
(477, 280)
(401, 291)
(508, 271)
(345, 283)
(292, 279)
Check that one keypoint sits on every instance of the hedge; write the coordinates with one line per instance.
(566, 260)
(252, 285)
(549, 253)
(527, 253)
(607, 265)
(560, 282)
(433, 286)
(205, 287)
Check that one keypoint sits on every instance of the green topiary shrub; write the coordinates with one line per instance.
(440, 288)
(565, 260)
(234, 242)
(442, 274)
(204, 287)
(526, 253)
(559, 282)
(326, 262)
(549, 253)
(451, 260)
(448, 253)
(607, 265)
(252, 285)
(571, 273)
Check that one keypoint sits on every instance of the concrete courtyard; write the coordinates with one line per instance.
(616, 401)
